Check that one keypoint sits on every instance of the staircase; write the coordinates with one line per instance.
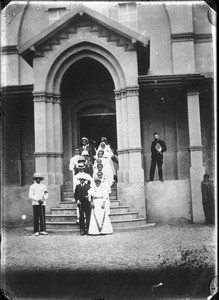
(63, 218)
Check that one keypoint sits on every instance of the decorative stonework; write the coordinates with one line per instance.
(84, 28)
(8, 50)
(196, 148)
(49, 154)
(203, 38)
(192, 91)
(47, 98)
(182, 37)
(129, 150)
(131, 91)
(190, 36)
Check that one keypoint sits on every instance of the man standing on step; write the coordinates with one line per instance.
(83, 203)
(157, 148)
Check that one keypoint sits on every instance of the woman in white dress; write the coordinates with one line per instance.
(108, 154)
(107, 169)
(99, 220)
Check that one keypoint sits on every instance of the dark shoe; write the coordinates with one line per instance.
(85, 232)
(161, 179)
(149, 180)
(82, 232)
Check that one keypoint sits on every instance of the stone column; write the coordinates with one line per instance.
(131, 191)
(119, 134)
(48, 138)
(136, 173)
(124, 150)
(40, 127)
(196, 159)
(58, 139)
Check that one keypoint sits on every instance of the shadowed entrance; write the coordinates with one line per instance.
(95, 126)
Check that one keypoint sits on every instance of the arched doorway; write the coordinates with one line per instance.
(88, 107)
(97, 121)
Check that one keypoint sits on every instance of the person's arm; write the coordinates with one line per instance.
(32, 195)
(71, 164)
(152, 147)
(46, 195)
(164, 148)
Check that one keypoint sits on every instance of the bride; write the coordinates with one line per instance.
(99, 220)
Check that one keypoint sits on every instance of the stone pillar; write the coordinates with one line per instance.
(196, 159)
(136, 173)
(58, 139)
(131, 189)
(48, 138)
(119, 129)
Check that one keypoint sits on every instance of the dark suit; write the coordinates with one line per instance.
(90, 150)
(81, 194)
(157, 158)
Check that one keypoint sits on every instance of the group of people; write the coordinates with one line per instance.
(93, 171)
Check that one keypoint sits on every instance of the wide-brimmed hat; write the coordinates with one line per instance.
(82, 176)
(84, 138)
(81, 165)
(97, 179)
(85, 153)
(38, 175)
(81, 158)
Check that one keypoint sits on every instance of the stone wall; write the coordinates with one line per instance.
(16, 203)
(168, 201)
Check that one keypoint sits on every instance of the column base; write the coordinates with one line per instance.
(196, 176)
(132, 195)
(136, 175)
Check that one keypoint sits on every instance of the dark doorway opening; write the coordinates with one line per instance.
(99, 125)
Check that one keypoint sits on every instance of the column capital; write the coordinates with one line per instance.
(195, 148)
(48, 154)
(128, 91)
(47, 98)
(192, 92)
(129, 150)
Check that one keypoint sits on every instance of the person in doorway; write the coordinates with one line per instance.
(157, 148)
(73, 165)
(38, 194)
(83, 203)
(86, 146)
(88, 164)
(99, 219)
(207, 188)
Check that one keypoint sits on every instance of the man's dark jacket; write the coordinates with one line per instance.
(81, 192)
(154, 151)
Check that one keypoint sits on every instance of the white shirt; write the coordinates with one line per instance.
(73, 162)
(37, 192)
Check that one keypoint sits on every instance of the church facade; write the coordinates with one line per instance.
(120, 70)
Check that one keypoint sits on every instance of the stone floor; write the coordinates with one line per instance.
(124, 265)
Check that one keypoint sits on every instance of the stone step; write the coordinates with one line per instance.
(71, 198)
(71, 217)
(71, 204)
(69, 193)
(123, 216)
(71, 209)
(67, 204)
(75, 229)
(113, 197)
(114, 203)
(118, 209)
(131, 223)
(61, 218)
